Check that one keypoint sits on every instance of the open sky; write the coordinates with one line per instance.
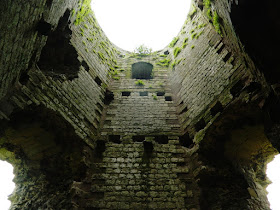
(6, 184)
(130, 23)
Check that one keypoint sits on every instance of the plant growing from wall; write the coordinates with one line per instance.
(142, 50)
(83, 12)
(216, 23)
(140, 83)
(192, 13)
(164, 63)
(173, 42)
(176, 51)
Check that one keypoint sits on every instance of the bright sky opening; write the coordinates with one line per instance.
(273, 173)
(6, 184)
(130, 23)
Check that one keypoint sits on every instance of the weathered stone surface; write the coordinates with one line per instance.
(83, 134)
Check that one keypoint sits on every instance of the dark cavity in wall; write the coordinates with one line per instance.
(168, 98)
(237, 88)
(59, 56)
(148, 149)
(257, 33)
(186, 141)
(138, 138)
(145, 93)
(216, 109)
(126, 93)
(44, 28)
(115, 139)
(100, 148)
(98, 81)
(200, 125)
(142, 70)
(161, 139)
(109, 97)
(160, 93)
(85, 65)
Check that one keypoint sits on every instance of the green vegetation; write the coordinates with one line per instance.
(207, 3)
(198, 35)
(174, 41)
(116, 78)
(216, 23)
(184, 45)
(176, 51)
(150, 86)
(101, 56)
(142, 50)
(192, 13)
(164, 56)
(201, 26)
(213, 16)
(160, 84)
(193, 35)
(154, 97)
(164, 63)
(173, 64)
(140, 83)
(192, 46)
(83, 12)
(86, 26)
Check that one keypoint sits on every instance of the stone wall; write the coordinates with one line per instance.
(83, 134)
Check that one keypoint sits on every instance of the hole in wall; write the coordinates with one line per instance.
(166, 52)
(126, 93)
(227, 57)
(44, 28)
(115, 139)
(186, 141)
(85, 65)
(200, 125)
(161, 139)
(109, 97)
(100, 148)
(6, 183)
(24, 78)
(148, 147)
(216, 109)
(236, 89)
(168, 98)
(273, 173)
(145, 93)
(98, 81)
(184, 110)
(160, 93)
(138, 138)
(142, 70)
(221, 49)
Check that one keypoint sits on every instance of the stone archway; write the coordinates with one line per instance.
(233, 156)
(47, 157)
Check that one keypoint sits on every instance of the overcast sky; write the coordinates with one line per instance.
(6, 184)
(130, 23)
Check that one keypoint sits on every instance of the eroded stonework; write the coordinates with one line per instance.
(83, 132)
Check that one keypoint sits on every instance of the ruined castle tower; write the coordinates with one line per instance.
(88, 125)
